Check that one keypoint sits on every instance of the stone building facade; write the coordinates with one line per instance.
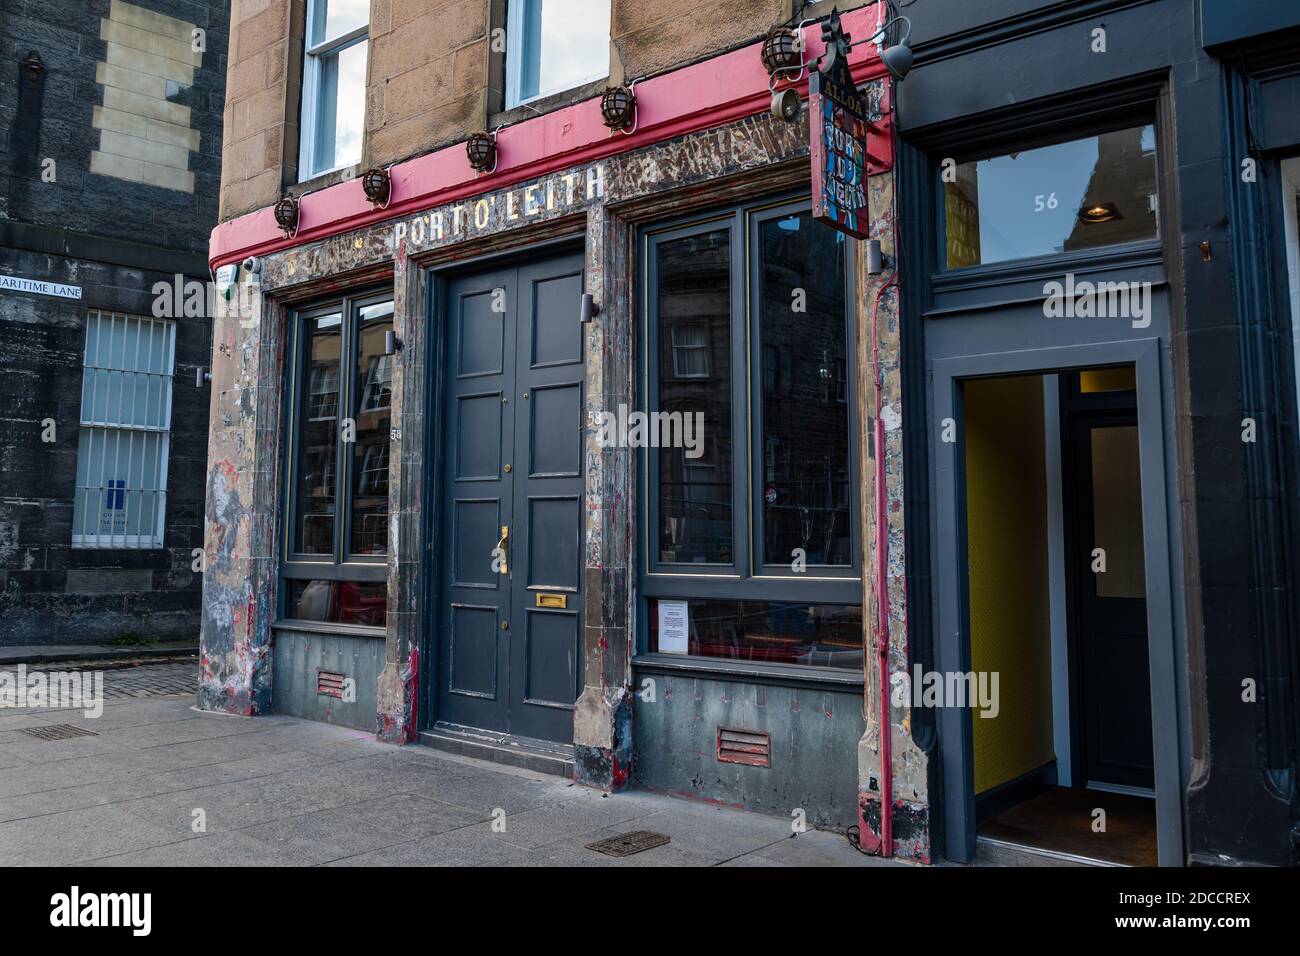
(921, 443)
(111, 152)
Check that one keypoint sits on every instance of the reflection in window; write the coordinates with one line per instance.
(694, 376)
(818, 635)
(334, 84)
(338, 602)
(1117, 511)
(806, 483)
(554, 45)
(369, 516)
(318, 437)
(1081, 194)
(690, 351)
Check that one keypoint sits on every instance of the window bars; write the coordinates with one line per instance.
(126, 406)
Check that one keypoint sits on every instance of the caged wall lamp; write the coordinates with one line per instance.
(481, 148)
(378, 186)
(286, 215)
(618, 109)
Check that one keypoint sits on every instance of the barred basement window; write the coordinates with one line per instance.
(126, 410)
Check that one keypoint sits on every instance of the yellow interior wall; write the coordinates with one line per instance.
(1006, 508)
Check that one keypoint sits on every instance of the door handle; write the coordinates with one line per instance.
(502, 550)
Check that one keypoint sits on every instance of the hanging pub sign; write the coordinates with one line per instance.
(837, 126)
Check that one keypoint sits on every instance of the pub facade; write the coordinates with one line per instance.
(737, 416)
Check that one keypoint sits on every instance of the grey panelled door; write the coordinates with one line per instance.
(511, 614)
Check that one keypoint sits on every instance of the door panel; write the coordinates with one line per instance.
(548, 497)
(510, 641)
(473, 663)
(473, 657)
(1114, 696)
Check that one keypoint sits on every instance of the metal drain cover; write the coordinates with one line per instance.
(625, 844)
(58, 732)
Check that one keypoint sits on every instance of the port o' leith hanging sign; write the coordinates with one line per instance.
(837, 126)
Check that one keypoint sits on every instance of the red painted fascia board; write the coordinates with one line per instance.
(711, 93)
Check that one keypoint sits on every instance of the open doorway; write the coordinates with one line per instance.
(1055, 605)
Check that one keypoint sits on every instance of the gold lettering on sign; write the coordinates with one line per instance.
(519, 203)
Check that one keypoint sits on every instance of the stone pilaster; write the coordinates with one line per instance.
(242, 500)
(399, 690)
(879, 370)
(602, 727)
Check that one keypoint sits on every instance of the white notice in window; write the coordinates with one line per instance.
(674, 627)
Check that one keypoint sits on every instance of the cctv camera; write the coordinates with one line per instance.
(253, 265)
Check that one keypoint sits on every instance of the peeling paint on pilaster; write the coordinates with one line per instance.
(239, 543)
(878, 298)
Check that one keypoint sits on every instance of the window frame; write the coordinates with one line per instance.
(342, 564)
(515, 38)
(312, 57)
(125, 541)
(1077, 260)
(746, 577)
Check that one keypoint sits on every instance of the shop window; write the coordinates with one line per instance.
(750, 529)
(554, 45)
(1070, 196)
(694, 299)
(333, 85)
(126, 410)
(814, 635)
(802, 314)
(339, 430)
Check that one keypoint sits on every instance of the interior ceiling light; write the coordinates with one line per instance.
(1099, 212)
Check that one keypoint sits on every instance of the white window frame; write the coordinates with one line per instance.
(106, 425)
(681, 349)
(311, 75)
(514, 58)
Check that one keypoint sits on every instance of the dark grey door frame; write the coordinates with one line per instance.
(952, 644)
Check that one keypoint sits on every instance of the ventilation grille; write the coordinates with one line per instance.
(329, 683)
(626, 844)
(744, 746)
(58, 732)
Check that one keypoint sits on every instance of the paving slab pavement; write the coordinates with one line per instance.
(278, 791)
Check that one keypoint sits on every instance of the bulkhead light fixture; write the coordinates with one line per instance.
(782, 50)
(618, 108)
(481, 148)
(1100, 212)
(286, 214)
(378, 186)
